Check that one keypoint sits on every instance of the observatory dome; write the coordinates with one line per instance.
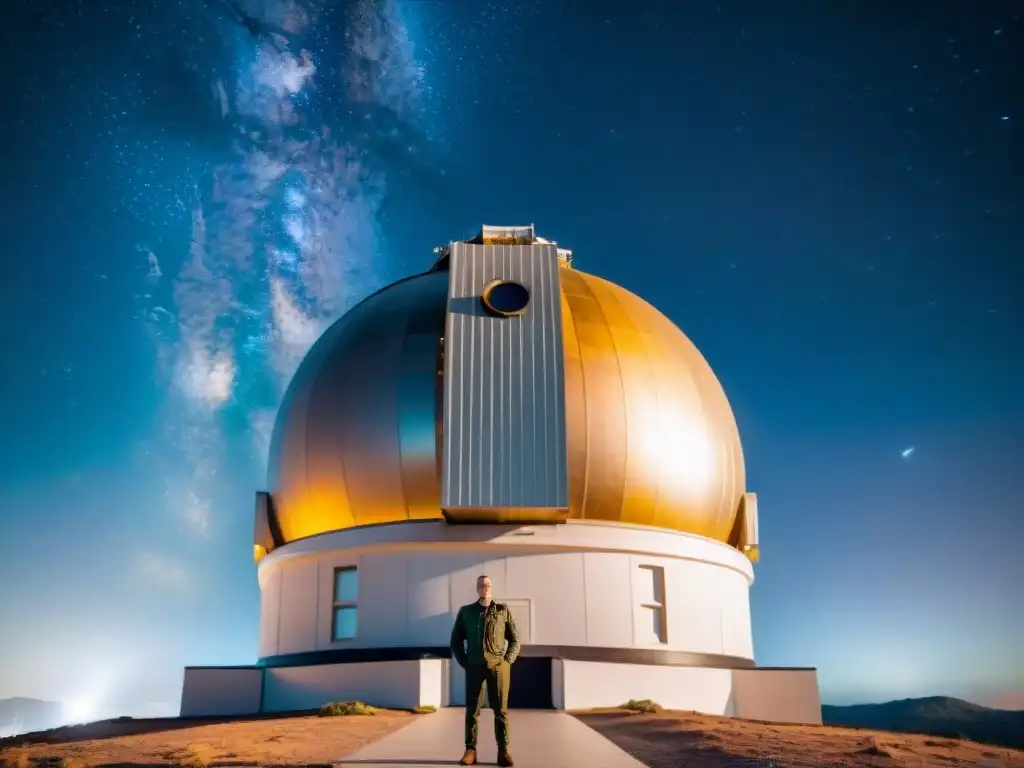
(650, 437)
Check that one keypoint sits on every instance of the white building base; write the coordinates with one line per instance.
(777, 695)
(212, 691)
(606, 612)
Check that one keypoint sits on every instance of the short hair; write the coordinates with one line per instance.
(483, 576)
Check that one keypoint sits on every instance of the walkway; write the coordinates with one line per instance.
(540, 739)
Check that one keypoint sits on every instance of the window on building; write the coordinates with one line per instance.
(346, 593)
(651, 594)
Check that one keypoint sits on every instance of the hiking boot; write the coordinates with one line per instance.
(505, 759)
(469, 757)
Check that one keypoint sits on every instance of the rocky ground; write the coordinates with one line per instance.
(281, 741)
(662, 740)
(671, 739)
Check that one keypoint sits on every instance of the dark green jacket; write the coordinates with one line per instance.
(484, 636)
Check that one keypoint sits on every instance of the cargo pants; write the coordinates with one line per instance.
(496, 680)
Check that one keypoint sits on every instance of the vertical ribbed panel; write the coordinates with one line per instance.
(504, 453)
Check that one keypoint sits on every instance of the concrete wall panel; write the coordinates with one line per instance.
(298, 607)
(226, 691)
(777, 695)
(384, 684)
(598, 684)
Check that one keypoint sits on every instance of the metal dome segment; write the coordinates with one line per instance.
(652, 439)
(504, 455)
(356, 438)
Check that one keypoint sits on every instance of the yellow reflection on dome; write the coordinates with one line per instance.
(647, 420)
(322, 508)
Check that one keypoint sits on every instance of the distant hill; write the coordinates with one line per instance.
(19, 715)
(936, 715)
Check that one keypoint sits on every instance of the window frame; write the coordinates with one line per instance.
(338, 603)
(656, 607)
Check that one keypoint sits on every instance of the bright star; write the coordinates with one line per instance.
(906, 454)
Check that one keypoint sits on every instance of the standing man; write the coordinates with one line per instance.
(485, 642)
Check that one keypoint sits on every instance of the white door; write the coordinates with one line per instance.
(522, 612)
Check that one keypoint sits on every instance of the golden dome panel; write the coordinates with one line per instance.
(651, 439)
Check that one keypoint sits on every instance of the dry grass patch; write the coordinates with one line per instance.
(347, 709)
(641, 706)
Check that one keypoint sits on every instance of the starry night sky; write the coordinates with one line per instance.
(827, 197)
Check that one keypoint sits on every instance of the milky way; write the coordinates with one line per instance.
(284, 229)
